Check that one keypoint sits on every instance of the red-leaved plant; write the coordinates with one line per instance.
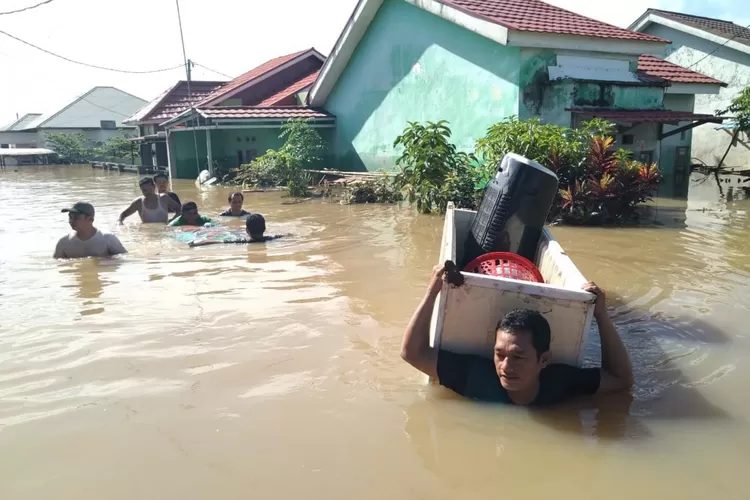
(605, 188)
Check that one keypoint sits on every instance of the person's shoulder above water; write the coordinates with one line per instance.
(561, 382)
(257, 240)
(471, 376)
(114, 245)
(177, 221)
(475, 377)
(228, 213)
(174, 197)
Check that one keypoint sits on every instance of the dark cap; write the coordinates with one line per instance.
(81, 208)
(190, 205)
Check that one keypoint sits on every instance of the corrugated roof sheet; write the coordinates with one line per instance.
(719, 27)
(89, 109)
(268, 113)
(645, 115)
(21, 123)
(177, 99)
(655, 67)
(537, 16)
(252, 75)
(291, 90)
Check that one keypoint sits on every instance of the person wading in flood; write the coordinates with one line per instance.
(255, 226)
(162, 187)
(235, 206)
(152, 206)
(520, 373)
(86, 240)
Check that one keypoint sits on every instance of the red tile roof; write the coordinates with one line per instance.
(645, 115)
(251, 75)
(653, 66)
(537, 16)
(290, 90)
(177, 100)
(726, 29)
(268, 113)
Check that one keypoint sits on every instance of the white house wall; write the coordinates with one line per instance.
(731, 67)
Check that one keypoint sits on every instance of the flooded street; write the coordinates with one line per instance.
(273, 371)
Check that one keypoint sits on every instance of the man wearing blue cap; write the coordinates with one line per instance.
(86, 240)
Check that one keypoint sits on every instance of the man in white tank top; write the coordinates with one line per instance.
(86, 240)
(152, 206)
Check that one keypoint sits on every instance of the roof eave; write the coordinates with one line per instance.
(363, 14)
(538, 40)
(310, 52)
(653, 17)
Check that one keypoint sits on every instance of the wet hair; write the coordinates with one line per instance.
(255, 224)
(232, 195)
(161, 175)
(146, 180)
(526, 320)
(190, 205)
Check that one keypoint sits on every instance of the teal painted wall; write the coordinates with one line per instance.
(674, 185)
(414, 66)
(547, 100)
(183, 149)
(226, 143)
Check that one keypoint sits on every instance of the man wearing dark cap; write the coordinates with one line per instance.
(86, 240)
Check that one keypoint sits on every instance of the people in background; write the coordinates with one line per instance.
(255, 226)
(162, 186)
(86, 240)
(235, 200)
(191, 217)
(153, 207)
(521, 373)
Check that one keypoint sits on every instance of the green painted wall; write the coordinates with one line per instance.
(183, 149)
(414, 66)
(675, 184)
(545, 99)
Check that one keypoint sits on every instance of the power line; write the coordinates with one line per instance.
(87, 64)
(213, 70)
(717, 48)
(45, 2)
(190, 90)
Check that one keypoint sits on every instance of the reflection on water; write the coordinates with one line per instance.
(272, 371)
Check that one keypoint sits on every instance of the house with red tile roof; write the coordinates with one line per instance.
(221, 125)
(717, 48)
(476, 62)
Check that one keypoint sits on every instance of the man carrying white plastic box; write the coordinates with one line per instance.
(521, 373)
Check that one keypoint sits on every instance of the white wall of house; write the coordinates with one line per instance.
(728, 65)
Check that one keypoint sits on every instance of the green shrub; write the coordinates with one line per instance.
(605, 189)
(432, 171)
(380, 190)
(303, 148)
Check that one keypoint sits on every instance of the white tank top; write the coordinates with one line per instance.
(158, 214)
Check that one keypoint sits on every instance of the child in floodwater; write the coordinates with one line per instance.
(255, 226)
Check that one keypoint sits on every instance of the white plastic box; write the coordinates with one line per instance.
(465, 318)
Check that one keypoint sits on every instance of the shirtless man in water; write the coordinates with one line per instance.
(520, 373)
(152, 206)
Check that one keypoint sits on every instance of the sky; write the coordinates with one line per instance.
(228, 36)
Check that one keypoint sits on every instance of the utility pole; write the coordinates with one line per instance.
(188, 68)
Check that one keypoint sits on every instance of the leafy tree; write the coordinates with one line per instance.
(432, 170)
(117, 146)
(739, 108)
(70, 146)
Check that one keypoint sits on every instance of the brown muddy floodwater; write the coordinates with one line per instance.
(273, 372)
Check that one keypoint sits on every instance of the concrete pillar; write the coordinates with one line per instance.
(208, 153)
(170, 157)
